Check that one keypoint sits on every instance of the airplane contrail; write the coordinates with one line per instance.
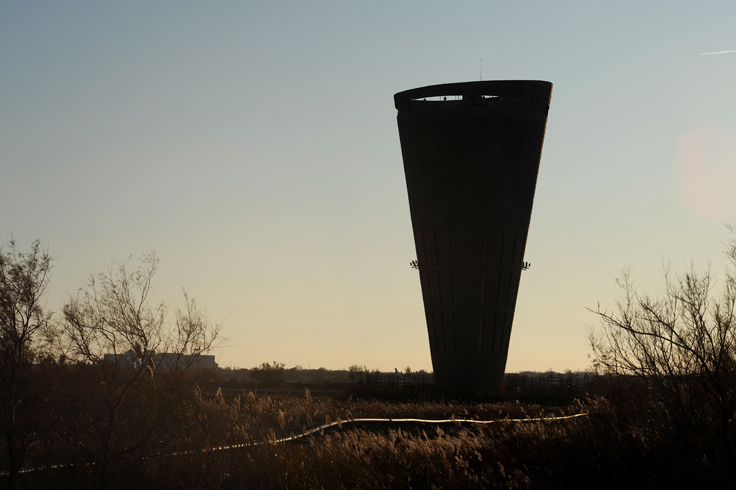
(718, 52)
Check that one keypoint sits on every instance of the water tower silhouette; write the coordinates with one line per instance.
(471, 157)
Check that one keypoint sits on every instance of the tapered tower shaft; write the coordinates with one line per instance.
(471, 157)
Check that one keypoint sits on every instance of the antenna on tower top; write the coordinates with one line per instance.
(481, 69)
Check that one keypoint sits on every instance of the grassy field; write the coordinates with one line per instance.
(599, 450)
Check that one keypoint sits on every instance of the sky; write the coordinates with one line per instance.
(254, 146)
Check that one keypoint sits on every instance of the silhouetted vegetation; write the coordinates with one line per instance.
(132, 396)
(668, 362)
(269, 375)
(107, 384)
(599, 451)
(91, 402)
(357, 373)
(24, 278)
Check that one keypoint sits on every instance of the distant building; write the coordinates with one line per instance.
(164, 360)
(471, 156)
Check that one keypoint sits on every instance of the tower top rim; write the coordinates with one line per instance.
(536, 90)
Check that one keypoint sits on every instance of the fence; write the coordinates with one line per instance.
(399, 382)
(524, 383)
(512, 382)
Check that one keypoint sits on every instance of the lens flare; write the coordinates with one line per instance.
(706, 170)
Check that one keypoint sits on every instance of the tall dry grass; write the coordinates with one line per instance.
(246, 418)
(602, 450)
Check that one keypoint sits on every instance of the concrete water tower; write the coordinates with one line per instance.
(471, 157)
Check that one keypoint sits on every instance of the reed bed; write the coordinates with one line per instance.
(535, 454)
(247, 418)
(601, 450)
(538, 454)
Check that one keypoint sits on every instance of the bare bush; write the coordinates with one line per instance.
(269, 374)
(24, 278)
(133, 363)
(356, 372)
(669, 359)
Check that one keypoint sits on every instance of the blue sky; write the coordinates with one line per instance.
(254, 146)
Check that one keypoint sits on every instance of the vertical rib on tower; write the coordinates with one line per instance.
(471, 158)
